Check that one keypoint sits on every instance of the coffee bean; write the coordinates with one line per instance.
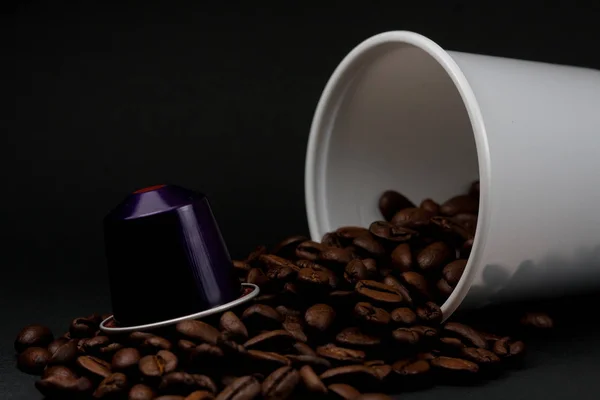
(360, 375)
(465, 250)
(200, 395)
(229, 346)
(416, 284)
(331, 239)
(33, 336)
(454, 364)
(406, 336)
(273, 261)
(253, 257)
(198, 331)
(516, 348)
(403, 316)
(64, 353)
(112, 386)
(444, 288)
(109, 350)
(343, 391)
(373, 396)
(468, 221)
(311, 381)
(56, 343)
(33, 360)
(295, 329)
(391, 202)
(408, 367)
(370, 314)
(94, 344)
(318, 363)
(353, 337)
(425, 331)
(332, 352)
(383, 371)
(434, 256)
(304, 349)
(241, 268)
(125, 360)
(431, 206)
(320, 317)
(208, 354)
(257, 277)
(335, 256)
(184, 383)
(400, 288)
(263, 316)
(244, 388)
(414, 218)
(402, 258)
(57, 386)
(378, 292)
(453, 271)
(281, 383)
(451, 344)
(170, 397)
(141, 392)
(479, 356)
(366, 244)
(277, 340)
(537, 320)
(451, 228)
(390, 232)
(59, 370)
(155, 343)
(83, 327)
(502, 347)
(465, 332)
(266, 360)
(93, 367)
(287, 247)
(370, 265)
(460, 205)
(186, 346)
(161, 364)
(430, 313)
(317, 277)
(309, 250)
(231, 324)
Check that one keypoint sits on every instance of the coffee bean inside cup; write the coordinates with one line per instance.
(355, 314)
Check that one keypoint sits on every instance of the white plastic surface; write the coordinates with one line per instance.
(401, 113)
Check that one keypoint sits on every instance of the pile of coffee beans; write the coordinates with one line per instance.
(352, 317)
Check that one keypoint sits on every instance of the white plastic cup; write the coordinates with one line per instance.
(399, 112)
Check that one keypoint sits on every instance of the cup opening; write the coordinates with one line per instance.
(399, 114)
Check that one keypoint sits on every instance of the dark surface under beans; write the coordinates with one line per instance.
(353, 317)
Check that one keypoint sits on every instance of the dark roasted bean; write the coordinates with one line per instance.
(57, 386)
(453, 271)
(231, 324)
(454, 364)
(320, 317)
(60, 370)
(378, 292)
(462, 204)
(141, 392)
(343, 391)
(112, 386)
(403, 316)
(413, 218)
(309, 250)
(331, 239)
(287, 247)
(33, 360)
(198, 331)
(126, 359)
(353, 337)
(244, 388)
(367, 244)
(390, 232)
(311, 380)
(402, 258)
(406, 336)
(257, 277)
(368, 313)
(434, 256)
(465, 332)
(416, 283)
(93, 366)
(333, 352)
(429, 313)
(277, 340)
(280, 384)
(480, 356)
(64, 353)
(537, 320)
(33, 336)
(391, 202)
(431, 206)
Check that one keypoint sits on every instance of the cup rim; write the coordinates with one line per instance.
(169, 322)
(320, 131)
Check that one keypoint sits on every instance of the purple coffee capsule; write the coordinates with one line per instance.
(167, 260)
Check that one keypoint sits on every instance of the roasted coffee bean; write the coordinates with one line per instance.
(257, 277)
(83, 327)
(295, 329)
(313, 277)
(462, 204)
(253, 257)
(416, 284)
(468, 221)
(406, 336)
(400, 288)
(320, 317)
(304, 349)
(355, 271)
(56, 343)
(479, 356)
(370, 265)
(280, 384)
(409, 367)
(33, 360)
(516, 348)
(452, 228)
(186, 346)
(125, 360)
(311, 380)
(241, 268)
(428, 356)
(200, 395)
(244, 388)
(335, 256)
(198, 331)
(287, 247)
(490, 337)
(109, 350)
(413, 218)
(112, 386)
(141, 392)
(340, 354)
(262, 315)
(378, 292)
(170, 397)
(273, 261)
(33, 336)
(94, 344)
(434, 256)
(156, 366)
(57, 386)
(64, 353)
(430, 206)
(465, 332)
(373, 396)
(366, 244)
(353, 337)
(361, 375)
(403, 316)
(444, 288)
(154, 343)
(231, 324)
(349, 233)
(281, 274)
(59, 370)
(502, 347)
(229, 347)
(465, 250)
(343, 391)
(277, 340)
(537, 320)
(454, 365)
(425, 331)
(391, 233)
(453, 271)
(383, 371)
(451, 344)
(287, 311)
(370, 314)
(309, 250)
(391, 202)
(207, 353)
(184, 383)
(318, 363)
(331, 239)
(93, 367)
(266, 361)
(429, 313)
(402, 258)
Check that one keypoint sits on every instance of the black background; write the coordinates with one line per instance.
(106, 98)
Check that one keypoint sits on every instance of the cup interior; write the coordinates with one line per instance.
(392, 118)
